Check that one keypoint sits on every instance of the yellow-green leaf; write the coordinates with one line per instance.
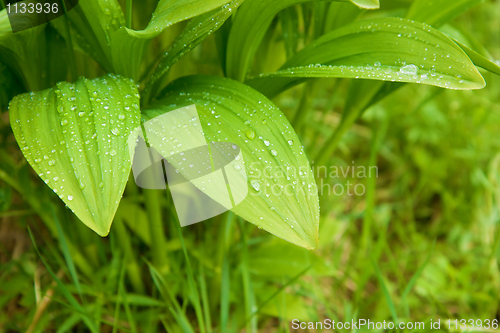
(75, 138)
(282, 196)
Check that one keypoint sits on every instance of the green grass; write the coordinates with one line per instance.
(422, 243)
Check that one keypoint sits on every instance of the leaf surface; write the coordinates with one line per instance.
(274, 158)
(387, 49)
(75, 138)
(249, 27)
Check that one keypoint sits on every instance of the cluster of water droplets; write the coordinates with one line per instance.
(77, 137)
(268, 142)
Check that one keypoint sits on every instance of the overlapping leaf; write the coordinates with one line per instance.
(35, 56)
(75, 138)
(249, 28)
(282, 197)
(195, 32)
(387, 49)
(128, 46)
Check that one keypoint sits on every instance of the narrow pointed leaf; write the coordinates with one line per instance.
(195, 32)
(274, 158)
(249, 27)
(387, 49)
(75, 138)
(438, 12)
(128, 45)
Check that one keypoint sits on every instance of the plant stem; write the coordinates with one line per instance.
(128, 14)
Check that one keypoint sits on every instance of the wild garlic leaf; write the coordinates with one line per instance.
(195, 32)
(387, 49)
(274, 158)
(128, 46)
(249, 27)
(75, 138)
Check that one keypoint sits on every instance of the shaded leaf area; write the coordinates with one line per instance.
(387, 49)
(250, 26)
(282, 197)
(9, 87)
(35, 56)
(75, 138)
(195, 33)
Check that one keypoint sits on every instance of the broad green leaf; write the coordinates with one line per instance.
(195, 32)
(128, 45)
(387, 49)
(438, 12)
(232, 112)
(75, 138)
(249, 27)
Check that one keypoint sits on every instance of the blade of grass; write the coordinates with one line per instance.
(204, 298)
(377, 139)
(63, 289)
(67, 253)
(120, 286)
(385, 290)
(414, 279)
(277, 292)
(193, 290)
(177, 312)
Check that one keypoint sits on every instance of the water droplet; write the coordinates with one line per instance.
(112, 152)
(255, 184)
(274, 152)
(409, 69)
(52, 162)
(70, 197)
(250, 134)
(290, 142)
(267, 143)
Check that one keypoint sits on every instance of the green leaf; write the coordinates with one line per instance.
(438, 12)
(9, 87)
(195, 32)
(33, 55)
(480, 60)
(232, 112)
(75, 138)
(128, 46)
(387, 49)
(92, 23)
(249, 27)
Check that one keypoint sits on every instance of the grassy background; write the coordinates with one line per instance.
(430, 222)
